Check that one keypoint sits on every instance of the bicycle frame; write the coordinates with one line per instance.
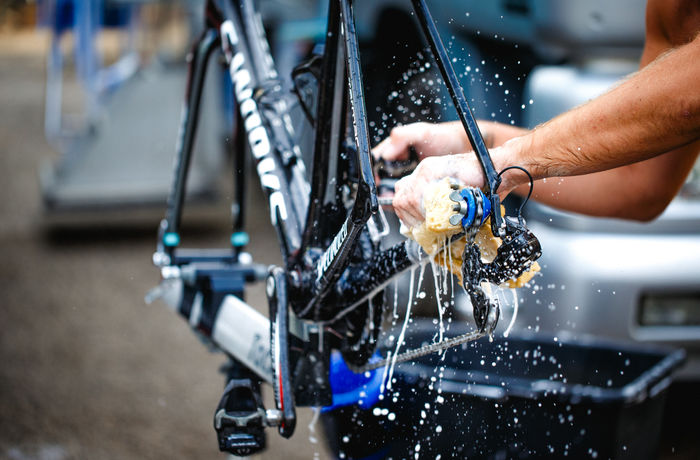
(282, 174)
(318, 285)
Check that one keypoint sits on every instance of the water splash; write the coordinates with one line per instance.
(440, 307)
(312, 425)
(515, 313)
(399, 341)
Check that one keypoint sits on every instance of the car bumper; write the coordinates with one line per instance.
(596, 273)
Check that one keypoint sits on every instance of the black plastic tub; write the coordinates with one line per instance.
(516, 397)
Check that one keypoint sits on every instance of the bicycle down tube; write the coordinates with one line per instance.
(281, 174)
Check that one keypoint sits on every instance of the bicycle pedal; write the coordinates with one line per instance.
(240, 419)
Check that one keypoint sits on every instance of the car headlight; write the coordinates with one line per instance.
(669, 310)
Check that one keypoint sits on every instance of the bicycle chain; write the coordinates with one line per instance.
(421, 351)
(437, 346)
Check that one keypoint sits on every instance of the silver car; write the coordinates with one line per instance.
(603, 277)
(523, 62)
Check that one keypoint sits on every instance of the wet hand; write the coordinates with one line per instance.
(427, 139)
(408, 197)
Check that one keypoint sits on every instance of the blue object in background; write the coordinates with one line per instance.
(85, 19)
(350, 388)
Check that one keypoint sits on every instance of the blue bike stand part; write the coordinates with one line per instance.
(350, 388)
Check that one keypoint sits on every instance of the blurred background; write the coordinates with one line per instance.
(89, 115)
(90, 95)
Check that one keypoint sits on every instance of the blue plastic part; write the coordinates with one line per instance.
(468, 195)
(239, 239)
(471, 207)
(487, 207)
(171, 239)
(350, 388)
(66, 13)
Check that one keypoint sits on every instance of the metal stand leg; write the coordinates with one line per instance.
(201, 52)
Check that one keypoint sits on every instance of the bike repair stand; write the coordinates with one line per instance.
(116, 149)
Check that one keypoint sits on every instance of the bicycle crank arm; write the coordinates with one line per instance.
(279, 344)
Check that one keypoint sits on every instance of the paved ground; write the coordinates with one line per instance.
(88, 370)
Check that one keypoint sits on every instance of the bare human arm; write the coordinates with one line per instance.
(649, 124)
(628, 151)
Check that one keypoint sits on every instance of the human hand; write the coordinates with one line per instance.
(442, 147)
(464, 168)
(423, 140)
(427, 139)
(408, 191)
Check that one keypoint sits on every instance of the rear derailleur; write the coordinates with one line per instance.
(518, 250)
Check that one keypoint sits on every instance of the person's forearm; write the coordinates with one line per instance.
(495, 133)
(639, 191)
(654, 111)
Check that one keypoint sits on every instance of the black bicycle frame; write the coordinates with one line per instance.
(492, 179)
(341, 59)
(294, 204)
(320, 235)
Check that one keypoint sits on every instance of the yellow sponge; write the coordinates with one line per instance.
(436, 230)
